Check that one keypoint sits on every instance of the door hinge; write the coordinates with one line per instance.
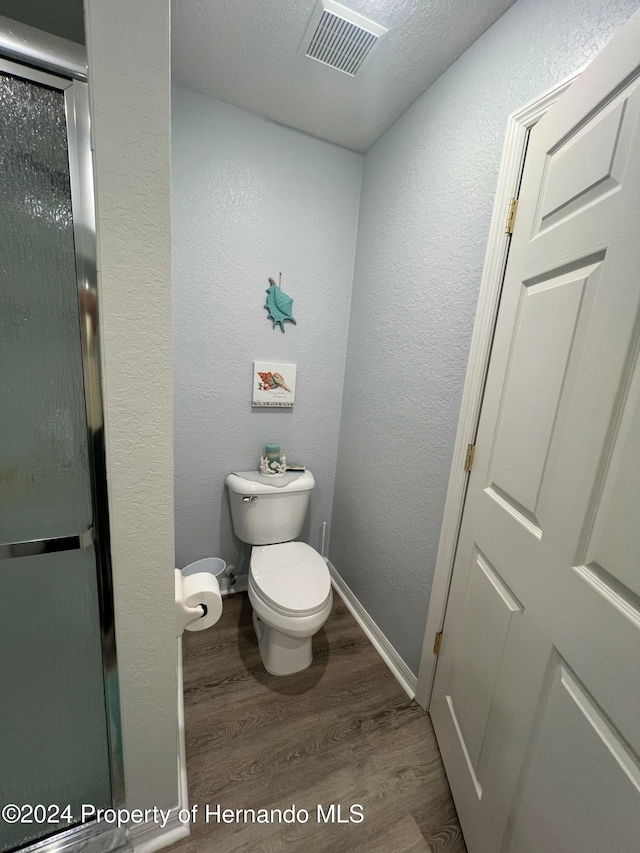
(511, 216)
(437, 643)
(468, 459)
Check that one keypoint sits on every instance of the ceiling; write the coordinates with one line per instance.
(245, 52)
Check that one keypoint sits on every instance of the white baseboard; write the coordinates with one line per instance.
(183, 784)
(149, 837)
(403, 675)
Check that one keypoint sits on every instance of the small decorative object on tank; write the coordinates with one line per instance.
(279, 305)
(273, 463)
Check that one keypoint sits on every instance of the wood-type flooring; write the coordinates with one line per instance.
(342, 732)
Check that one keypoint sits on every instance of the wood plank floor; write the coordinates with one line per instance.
(342, 732)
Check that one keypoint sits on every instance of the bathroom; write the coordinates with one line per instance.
(372, 213)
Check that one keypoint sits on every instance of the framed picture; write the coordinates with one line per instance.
(274, 384)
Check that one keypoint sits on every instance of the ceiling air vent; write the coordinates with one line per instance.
(340, 38)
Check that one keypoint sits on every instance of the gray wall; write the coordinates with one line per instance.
(251, 198)
(129, 83)
(427, 195)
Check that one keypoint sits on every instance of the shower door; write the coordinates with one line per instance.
(59, 732)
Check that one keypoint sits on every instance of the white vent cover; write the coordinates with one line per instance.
(340, 38)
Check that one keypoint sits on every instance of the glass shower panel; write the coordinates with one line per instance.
(44, 464)
(54, 745)
(53, 729)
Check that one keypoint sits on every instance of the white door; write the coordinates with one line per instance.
(536, 702)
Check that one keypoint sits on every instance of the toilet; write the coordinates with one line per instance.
(289, 582)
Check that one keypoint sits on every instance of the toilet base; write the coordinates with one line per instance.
(281, 654)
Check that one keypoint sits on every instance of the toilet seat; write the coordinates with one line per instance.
(292, 578)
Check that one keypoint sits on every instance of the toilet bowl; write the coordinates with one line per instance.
(289, 582)
(290, 593)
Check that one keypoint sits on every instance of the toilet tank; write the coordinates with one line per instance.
(263, 514)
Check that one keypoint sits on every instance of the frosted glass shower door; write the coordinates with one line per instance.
(54, 747)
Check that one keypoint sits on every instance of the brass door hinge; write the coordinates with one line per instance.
(437, 643)
(468, 459)
(511, 216)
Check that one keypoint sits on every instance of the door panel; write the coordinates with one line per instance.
(590, 163)
(612, 551)
(590, 414)
(536, 700)
(542, 341)
(489, 609)
(581, 783)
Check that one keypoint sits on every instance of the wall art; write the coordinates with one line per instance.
(274, 384)
(279, 305)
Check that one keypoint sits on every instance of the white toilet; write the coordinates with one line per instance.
(289, 582)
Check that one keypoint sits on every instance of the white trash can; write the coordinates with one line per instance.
(213, 565)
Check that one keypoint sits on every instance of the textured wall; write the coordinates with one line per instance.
(427, 195)
(130, 92)
(250, 199)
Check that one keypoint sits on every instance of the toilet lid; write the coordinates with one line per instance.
(290, 576)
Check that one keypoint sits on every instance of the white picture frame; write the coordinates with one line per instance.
(273, 384)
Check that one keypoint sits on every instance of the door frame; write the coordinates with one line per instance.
(519, 125)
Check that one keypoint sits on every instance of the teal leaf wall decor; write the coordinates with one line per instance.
(278, 305)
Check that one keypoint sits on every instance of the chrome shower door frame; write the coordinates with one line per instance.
(103, 835)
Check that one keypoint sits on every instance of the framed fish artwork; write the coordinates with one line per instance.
(274, 384)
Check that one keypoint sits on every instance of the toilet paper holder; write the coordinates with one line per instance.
(189, 612)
